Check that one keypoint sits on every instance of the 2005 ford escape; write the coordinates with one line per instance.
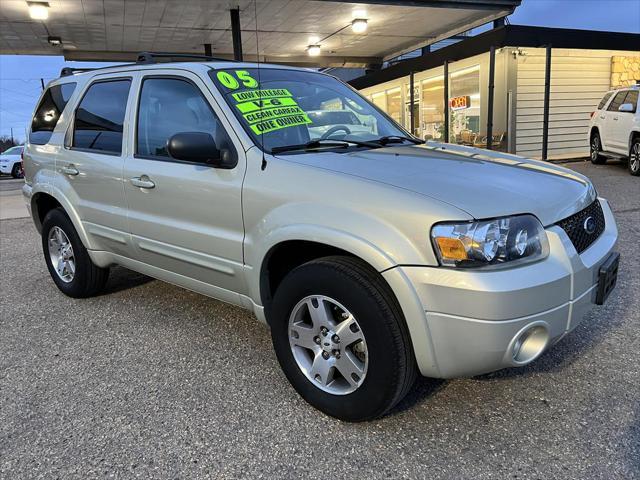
(371, 256)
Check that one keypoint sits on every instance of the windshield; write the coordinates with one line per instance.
(13, 151)
(279, 108)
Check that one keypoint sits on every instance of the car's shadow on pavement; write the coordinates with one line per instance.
(121, 278)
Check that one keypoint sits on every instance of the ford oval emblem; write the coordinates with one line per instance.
(589, 225)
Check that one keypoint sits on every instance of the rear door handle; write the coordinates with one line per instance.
(615, 118)
(70, 170)
(142, 182)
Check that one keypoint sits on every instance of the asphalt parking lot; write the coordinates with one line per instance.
(149, 380)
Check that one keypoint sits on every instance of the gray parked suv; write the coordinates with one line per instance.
(371, 256)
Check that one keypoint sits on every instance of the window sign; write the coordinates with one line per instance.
(460, 103)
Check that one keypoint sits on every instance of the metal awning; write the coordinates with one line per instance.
(116, 30)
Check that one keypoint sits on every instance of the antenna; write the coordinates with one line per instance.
(255, 14)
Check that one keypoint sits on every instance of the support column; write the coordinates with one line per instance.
(412, 101)
(547, 95)
(492, 76)
(446, 101)
(236, 34)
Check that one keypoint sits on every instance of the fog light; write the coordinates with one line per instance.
(529, 344)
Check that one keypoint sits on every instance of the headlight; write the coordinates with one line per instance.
(490, 243)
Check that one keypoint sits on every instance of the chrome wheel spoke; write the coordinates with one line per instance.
(350, 367)
(319, 312)
(348, 331)
(322, 370)
(304, 336)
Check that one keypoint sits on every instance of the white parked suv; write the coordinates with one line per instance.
(11, 162)
(370, 255)
(614, 131)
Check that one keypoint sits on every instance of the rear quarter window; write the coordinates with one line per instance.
(48, 113)
(604, 100)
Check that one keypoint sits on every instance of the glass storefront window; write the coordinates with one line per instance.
(394, 104)
(380, 100)
(464, 107)
(432, 109)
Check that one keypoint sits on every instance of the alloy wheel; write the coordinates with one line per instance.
(328, 345)
(61, 254)
(595, 148)
(634, 158)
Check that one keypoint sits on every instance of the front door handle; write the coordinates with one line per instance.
(142, 182)
(615, 118)
(70, 170)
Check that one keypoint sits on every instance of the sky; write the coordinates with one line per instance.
(20, 75)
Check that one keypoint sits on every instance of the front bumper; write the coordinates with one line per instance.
(474, 319)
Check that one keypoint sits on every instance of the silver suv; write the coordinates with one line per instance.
(371, 256)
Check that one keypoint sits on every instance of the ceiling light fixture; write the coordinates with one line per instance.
(359, 25)
(313, 50)
(38, 10)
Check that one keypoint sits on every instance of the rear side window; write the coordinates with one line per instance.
(48, 112)
(169, 106)
(99, 118)
(604, 100)
(617, 101)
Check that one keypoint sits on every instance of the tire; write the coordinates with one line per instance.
(355, 291)
(595, 147)
(634, 157)
(83, 280)
(16, 171)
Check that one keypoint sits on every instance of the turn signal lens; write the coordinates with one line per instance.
(451, 248)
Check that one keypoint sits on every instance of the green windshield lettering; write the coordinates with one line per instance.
(252, 106)
(279, 123)
(258, 94)
(272, 113)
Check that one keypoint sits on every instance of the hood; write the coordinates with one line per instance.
(484, 184)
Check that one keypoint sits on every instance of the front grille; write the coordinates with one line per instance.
(575, 226)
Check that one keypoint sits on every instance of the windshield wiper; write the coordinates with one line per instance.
(397, 139)
(323, 143)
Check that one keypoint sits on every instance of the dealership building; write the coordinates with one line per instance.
(512, 82)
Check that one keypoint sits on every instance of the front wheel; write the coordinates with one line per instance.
(67, 259)
(341, 338)
(634, 157)
(594, 150)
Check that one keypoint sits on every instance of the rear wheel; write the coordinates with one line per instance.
(596, 149)
(67, 259)
(341, 338)
(634, 157)
(16, 171)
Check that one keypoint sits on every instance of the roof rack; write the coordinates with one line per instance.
(66, 71)
(150, 57)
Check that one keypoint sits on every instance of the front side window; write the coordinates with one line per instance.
(99, 118)
(617, 101)
(281, 108)
(632, 98)
(169, 106)
(604, 100)
(48, 112)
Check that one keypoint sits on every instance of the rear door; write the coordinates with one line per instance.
(90, 167)
(184, 217)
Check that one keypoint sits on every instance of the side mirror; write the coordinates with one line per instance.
(199, 147)
(626, 107)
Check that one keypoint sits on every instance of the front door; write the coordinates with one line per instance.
(623, 121)
(611, 137)
(184, 217)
